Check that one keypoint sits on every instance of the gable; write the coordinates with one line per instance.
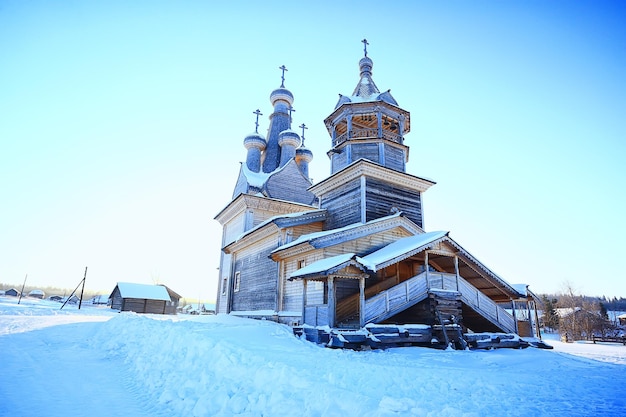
(358, 238)
(289, 184)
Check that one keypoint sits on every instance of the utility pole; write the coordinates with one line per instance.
(22, 292)
(81, 292)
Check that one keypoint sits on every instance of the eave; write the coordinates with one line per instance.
(367, 168)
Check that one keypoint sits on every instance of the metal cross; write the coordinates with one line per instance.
(282, 77)
(303, 126)
(290, 110)
(365, 43)
(258, 113)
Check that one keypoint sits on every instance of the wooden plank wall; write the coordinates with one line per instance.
(366, 151)
(116, 299)
(339, 160)
(365, 245)
(343, 205)
(381, 196)
(259, 278)
(394, 158)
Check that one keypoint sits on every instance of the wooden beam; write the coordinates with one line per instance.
(331, 301)
(362, 302)
(304, 287)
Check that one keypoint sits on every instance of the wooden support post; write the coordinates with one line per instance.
(426, 266)
(456, 270)
(515, 316)
(361, 301)
(538, 331)
(530, 322)
(397, 273)
(331, 301)
(304, 285)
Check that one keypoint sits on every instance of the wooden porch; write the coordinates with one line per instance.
(383, 301)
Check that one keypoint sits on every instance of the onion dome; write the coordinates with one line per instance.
(281, 94)
(288, 138)
(304, 154)
(366, 64)
(255, 140)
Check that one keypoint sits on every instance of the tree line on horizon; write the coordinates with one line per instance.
(580, 317)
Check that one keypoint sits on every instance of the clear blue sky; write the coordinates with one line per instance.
(121, 128)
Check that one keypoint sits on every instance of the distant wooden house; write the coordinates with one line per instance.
(622, 319)
(350, 253)
(12, 292)
(74, 299)
(37, 294)
(57, 298)
(142, 298)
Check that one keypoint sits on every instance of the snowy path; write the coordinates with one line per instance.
(55, 372)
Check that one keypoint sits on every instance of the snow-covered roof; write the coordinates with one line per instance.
(275, 219)
(316, 235)
(150, 292)
(324, 266)
(404, 247)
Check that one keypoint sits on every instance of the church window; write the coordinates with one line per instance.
(237, 281)
(224, 285)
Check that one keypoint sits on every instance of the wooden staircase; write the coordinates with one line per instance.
(395, 299)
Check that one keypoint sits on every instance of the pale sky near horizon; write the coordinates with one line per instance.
(121, 128)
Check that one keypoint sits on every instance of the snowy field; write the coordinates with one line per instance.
(95, 362)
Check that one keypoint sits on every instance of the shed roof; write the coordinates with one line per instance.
(143, 291)
(401, 248)
(324, 266)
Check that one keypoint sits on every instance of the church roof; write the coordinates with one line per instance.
(143, 291)
(400, 249)
(349, 232)
(283, 220)
(366, 89)
(324, 267)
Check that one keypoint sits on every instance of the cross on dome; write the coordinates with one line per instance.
(303, 127)
(258, 113)
(365, 43)
(290, 110)
(282, 77)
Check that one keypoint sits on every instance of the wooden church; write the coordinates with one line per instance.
(347, 261)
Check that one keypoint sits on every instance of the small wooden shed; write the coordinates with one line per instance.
(143, 298)
(37, 294)
(12, 292)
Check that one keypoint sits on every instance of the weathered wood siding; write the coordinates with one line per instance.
(395, 158)
(292, 298)
(343, 205)
(292, 290)
(344, 288)
(339, 160)
(116, 299)
(367, 244)
(259, 277)
(290, 184)
(381, 196)
(365, 151)
(233, 229)
(221, 305)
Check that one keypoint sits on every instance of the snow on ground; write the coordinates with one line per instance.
(100, 363)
